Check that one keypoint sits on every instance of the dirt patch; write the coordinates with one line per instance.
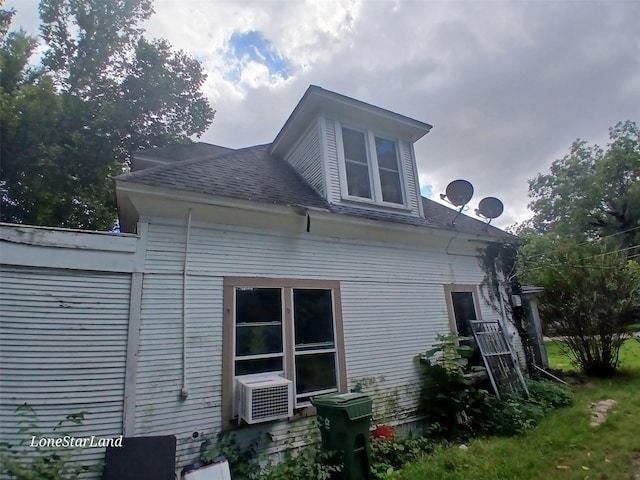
(599, 411)
(636, 466)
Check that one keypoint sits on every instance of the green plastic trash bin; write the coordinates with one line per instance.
(344, 420)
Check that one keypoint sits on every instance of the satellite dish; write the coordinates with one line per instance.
(459, 192)
(490, 207)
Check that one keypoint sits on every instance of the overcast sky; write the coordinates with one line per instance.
(507, 85)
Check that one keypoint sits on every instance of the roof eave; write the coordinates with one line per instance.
(124, 187)
(317, 100)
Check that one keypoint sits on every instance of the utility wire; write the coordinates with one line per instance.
(617, 251)
(585, 243)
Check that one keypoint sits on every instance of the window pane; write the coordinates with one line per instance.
(354, 146)
(315, 372)
(356, 163)
(258, 321)
(464, 310)
(391, 188)
(313, 319)
(258, 305)
(261, 365)
(257, 340)
(358, 183)
(386, 151)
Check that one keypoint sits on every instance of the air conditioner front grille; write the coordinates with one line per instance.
(270, 402)
(264, 399)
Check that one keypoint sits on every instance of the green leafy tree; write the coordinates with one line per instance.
(101, 91)
(590, 294)
(592, 192)
(581, 244)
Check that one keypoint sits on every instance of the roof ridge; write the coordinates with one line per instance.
(191, 161)
(174, 146)
(489, 229)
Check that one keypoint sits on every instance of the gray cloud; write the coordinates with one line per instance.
(507, 85)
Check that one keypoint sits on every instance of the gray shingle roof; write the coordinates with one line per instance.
(253, 174)
(179, 152)
(249, 173)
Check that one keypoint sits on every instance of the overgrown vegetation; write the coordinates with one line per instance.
(582, 246)
(564, 445)
(42, 463)
(447, 398)
(457, 409)
(591, 295)
(389, 455)
(249, 462)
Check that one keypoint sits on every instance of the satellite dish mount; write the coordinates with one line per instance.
(489, 208)
(458, 194)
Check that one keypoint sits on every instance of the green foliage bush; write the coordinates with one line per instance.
(307, 462)
(513, 415)
(389, 455)
(549, 395)
(42, 463)
(456, 408)
(506, 416)
(447, 396)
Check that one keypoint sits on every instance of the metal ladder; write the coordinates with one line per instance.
(502, 365)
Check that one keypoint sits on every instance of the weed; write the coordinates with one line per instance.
(42, 463)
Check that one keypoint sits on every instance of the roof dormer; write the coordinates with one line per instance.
(353, 153)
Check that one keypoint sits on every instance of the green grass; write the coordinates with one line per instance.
(629, 355)
(633, 327)
(563, 446)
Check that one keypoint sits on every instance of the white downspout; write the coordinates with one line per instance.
(185, 391)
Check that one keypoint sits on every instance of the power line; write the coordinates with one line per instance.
(617, 251)
(586, 242)
(576, 266)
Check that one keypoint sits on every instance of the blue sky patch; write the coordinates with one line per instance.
(427, 191)
(252, 46)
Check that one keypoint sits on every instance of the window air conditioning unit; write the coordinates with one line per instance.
(262, 399)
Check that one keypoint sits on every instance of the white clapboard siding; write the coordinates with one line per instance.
(160, 409)
(393, 308)
(306, 158)
(63, 340)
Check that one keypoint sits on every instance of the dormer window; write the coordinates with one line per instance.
(371, 167)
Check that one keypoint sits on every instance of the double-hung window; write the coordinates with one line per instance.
(291, 328)
(371, 167)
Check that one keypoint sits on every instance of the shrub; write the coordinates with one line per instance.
(549, 395)
(307, 462)
(390, 454)
(513, 415)
(447, 396)
(507, 416)
(303, 463)
(243, 461)
(456, 408)
(590, 295)
(42, 463)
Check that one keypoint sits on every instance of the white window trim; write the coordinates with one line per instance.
(374, 170)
